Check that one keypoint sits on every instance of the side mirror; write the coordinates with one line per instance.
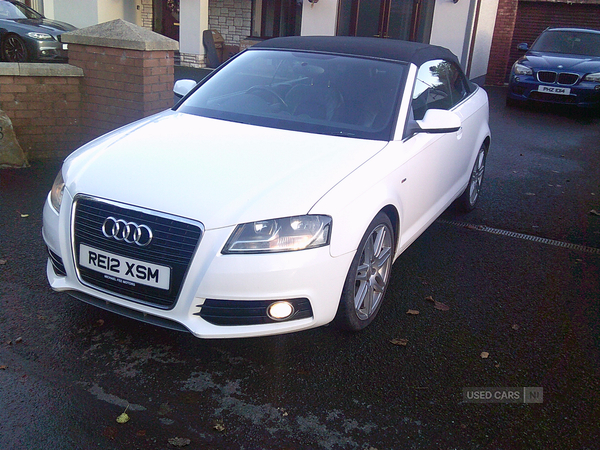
(439, 121)
(523, 47)
(182, 87)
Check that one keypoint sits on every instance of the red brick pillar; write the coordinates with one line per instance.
(128, 73)
(501, 41)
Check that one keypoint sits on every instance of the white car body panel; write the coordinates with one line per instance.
(242, 171)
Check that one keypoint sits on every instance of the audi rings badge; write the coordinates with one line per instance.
(130, 232)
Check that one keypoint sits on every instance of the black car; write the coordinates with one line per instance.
(26, 35)
(562, 66)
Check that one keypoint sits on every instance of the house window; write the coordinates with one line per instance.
(409, 20)
(275, 18)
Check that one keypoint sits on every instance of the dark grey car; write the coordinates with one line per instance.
(26, 35)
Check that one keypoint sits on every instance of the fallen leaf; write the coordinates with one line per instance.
(531, 194)
(3, 367)
(2, 262)
(485, 355)
(123, 418)
(402, 342)
(140, 433)
(18, 340)
(99, 323)
(219, 426)
(441, 306)
(429, 299)
(515, 327)
(24, 216)
(593, 212)
(179, 442)
(412, 312)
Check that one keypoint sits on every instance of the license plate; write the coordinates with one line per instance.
(124, 270)
(554, 90)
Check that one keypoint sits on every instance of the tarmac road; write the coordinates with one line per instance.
(519, 277)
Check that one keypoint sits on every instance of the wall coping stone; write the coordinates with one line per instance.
(39, 70)
(120, 34)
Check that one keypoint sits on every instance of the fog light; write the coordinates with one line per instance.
(280, 310)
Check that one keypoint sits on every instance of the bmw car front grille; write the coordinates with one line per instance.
(562, 78)
(170, 244)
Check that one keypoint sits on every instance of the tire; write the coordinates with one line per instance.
(368, 277)
(467, 201)
(14, 49)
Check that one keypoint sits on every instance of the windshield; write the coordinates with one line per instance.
(317, 93)
(16, 10)
(570, 42)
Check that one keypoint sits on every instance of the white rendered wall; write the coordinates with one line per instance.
(319, 19)
(79, 14)
(193, 21)
(84, 13)
(116, 9)
(483, 38)
(449, 25)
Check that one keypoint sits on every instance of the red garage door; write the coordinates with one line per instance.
(533, 17)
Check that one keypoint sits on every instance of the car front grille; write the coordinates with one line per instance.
(562, 78)
(173, 245)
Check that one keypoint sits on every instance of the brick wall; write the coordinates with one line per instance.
(43, 102)
(121, 85)
(503, 33)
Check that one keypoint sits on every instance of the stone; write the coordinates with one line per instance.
(11, 153)
(120, 34)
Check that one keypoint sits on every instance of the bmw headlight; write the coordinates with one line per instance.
(280, 235)
(56, 193)
(595, 77)
(40, 36)
(520, 69)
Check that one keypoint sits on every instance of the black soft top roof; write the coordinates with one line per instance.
(390, 49)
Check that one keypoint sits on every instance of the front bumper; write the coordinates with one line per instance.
(48, 51)
(311, 279)
(584, 94)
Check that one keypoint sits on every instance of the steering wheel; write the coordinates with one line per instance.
(271, 95)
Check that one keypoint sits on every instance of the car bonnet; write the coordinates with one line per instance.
(217, 172)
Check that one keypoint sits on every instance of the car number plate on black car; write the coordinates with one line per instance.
(124, 270)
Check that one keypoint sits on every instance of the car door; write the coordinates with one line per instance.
(435, 163)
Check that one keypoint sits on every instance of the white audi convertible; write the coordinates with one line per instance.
(275, 196)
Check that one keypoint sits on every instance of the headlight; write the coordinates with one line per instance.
(40, 36)
(280, 235)
(520, 69)
(595, 77)
(56, 193)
